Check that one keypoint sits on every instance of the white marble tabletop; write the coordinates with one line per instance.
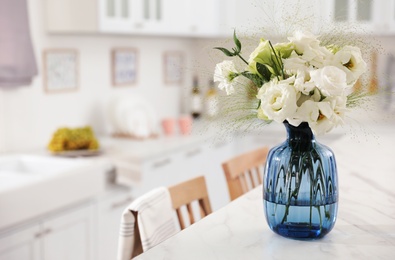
(365, 228)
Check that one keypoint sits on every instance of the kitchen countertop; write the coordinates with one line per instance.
(210, 132)
(365, 227)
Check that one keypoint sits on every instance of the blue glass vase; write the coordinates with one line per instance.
(300, 188)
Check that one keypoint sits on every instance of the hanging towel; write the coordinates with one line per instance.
(17, 61)
(156, 221)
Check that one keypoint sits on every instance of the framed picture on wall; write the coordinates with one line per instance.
(60, 70)
(124, 66)
(172, 64)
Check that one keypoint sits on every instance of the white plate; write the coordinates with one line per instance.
(134, 116)
(77, 153)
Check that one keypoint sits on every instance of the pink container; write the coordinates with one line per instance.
(185, 124)
(168, 125)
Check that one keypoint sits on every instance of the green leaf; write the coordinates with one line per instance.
(225, 51)
(254, 78)
(237, 42)
(264, 71)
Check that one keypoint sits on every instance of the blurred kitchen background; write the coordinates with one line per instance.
(100, 60)
(29, 114)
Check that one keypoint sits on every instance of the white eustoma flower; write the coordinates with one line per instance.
(303, 83)
(330, 80)
(225, 73)
(349, 59)
(294, 63)
(304, 41)
(339, 106)
(317, 114)
(307, 46)
(278, 101)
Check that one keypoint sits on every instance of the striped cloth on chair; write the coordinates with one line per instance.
(156, 221)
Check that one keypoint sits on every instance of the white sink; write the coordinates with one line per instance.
(32, 185)
(17, 170)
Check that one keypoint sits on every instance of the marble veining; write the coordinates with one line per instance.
(365, 227)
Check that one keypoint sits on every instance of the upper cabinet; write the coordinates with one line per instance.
(134, 16)
(218, 18)
(389, 13)
(144, 17)
(268, 18)
(361, 16)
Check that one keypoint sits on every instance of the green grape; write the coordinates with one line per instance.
(65, 139)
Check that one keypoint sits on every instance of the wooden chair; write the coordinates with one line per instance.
(187, 192)
(240, 171)
(181, 194)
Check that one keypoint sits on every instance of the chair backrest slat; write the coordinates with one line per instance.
(259, 174)
(241, 167)
(184, 193)
(180, 219)
(251, 176)
(190, 213)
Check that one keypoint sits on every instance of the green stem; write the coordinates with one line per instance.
(242, 58)
(279, 63)
(290, 193)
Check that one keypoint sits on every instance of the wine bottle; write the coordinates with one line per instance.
(196, 104)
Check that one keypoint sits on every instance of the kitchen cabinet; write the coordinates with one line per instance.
(66, 235)
(389, 13)
(358, 16)
(170, 160)
(250, 17)
(269, 19)
(136, 17)
(215, 153)
(109, 211)
(208, 18)
(132, 16)
(22, 243)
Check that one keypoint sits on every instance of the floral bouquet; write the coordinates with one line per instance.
(297, 81)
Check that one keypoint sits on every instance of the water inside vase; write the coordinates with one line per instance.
(301, 222)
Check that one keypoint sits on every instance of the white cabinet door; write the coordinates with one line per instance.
(356, 16)
(119, 15)
(216, 152)
(253, 18)
(205, 17)
(22, 244)
(110, 210)
(134, 16)
(69, 236)
(193, 18)
(174, 17)
(388, 11)
(157, 171)
(153, 16)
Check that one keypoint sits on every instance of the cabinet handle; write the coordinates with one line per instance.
(43, 233)
(161, 163)
(121, 203)
(193, 152)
